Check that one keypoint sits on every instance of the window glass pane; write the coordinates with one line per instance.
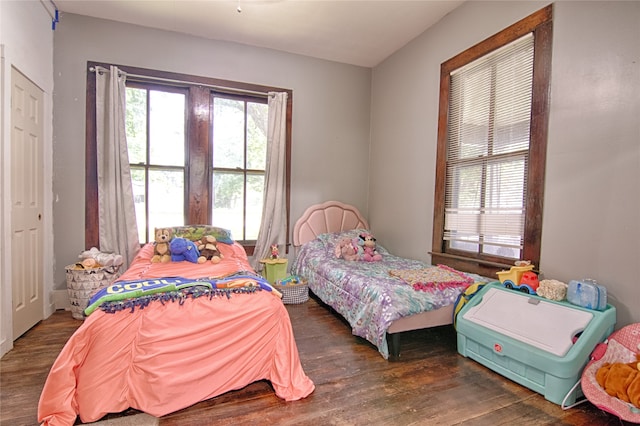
(465, 243)
(166, 199)
(255, 197)
(502, 246)
(257, 119)
(136, 124)
(139, 200)
(166, 128)
(514, 77)
(470, 114)
(228, 133)
(228, 202)
(505, 187)
(463, 206)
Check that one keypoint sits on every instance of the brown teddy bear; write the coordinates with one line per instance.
(208, 249)
(161, 252)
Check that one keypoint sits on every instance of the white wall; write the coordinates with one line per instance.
(26, 43)
(330, 111)
(591, 225)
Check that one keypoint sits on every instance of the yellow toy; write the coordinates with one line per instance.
(520, 277)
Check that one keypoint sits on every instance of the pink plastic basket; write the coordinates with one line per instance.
(621, 346)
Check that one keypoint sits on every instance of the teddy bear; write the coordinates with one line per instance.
(346, 249)
(368, 243)
(621, 380)
(183, 249)
(161, 252)
(208, 249)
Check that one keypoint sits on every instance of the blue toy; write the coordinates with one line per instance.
(183, 249)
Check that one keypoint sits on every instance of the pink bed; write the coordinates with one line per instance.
(170, 355)
(378, 307)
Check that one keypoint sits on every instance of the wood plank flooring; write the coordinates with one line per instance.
(431, 384)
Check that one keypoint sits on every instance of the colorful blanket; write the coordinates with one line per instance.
(432, 278)
(174, 288)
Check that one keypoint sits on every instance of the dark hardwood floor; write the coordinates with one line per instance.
(431, 384)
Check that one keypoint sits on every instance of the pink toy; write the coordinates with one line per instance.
(368, 243)
(275, 253)
(346, 250)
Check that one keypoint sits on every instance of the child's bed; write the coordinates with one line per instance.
(377, 305)
(165, 351)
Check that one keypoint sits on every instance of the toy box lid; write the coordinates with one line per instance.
(548, 326)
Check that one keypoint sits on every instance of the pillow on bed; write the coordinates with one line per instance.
(196, 232)
(331, 240)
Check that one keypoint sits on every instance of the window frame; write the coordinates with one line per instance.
(198, 155)
(539, 23)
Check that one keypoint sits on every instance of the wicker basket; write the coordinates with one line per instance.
(293, 294)
(83, 283)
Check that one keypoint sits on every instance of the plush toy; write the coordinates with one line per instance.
(368, 243)
(621, 380)
(346, 249)
(183, 249)
(275, 253)
(94, 258)
(161, 252)
(208, 250)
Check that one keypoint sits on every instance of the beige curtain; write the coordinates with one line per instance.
(118, 230)
(273, 228)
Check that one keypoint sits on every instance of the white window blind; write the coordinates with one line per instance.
(488, 150)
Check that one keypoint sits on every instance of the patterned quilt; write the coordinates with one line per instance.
(365, 293)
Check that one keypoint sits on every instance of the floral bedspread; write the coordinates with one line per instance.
(365, 293)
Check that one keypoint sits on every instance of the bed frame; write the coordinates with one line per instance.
(334, 216)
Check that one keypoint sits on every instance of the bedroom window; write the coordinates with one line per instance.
(197, 152)
(491, 149)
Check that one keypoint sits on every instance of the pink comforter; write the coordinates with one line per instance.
(169, 356)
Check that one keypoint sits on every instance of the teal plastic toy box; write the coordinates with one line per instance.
(539, 343)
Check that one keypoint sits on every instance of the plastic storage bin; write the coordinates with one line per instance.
(274, 269)
(529, 339)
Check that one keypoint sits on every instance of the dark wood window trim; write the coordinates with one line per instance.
(541, 24)
(197, 182)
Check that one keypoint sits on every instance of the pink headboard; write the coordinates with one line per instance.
(330, 216)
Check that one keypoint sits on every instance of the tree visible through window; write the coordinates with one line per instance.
(491, 149)
(156, 139)
(238, 166)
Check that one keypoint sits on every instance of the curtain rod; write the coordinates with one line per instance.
(169, 80)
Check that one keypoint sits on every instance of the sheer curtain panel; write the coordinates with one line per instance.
(118, 231)
(273, 227)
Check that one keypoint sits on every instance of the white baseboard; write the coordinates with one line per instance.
(61, 300)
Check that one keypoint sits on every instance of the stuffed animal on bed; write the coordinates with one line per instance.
(346, 249)
(161, 249)
(183, 249)
(368, 243)
(621, 380)
(208, 250)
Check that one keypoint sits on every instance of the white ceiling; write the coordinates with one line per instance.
(360, 32)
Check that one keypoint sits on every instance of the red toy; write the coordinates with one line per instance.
(520, 277)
